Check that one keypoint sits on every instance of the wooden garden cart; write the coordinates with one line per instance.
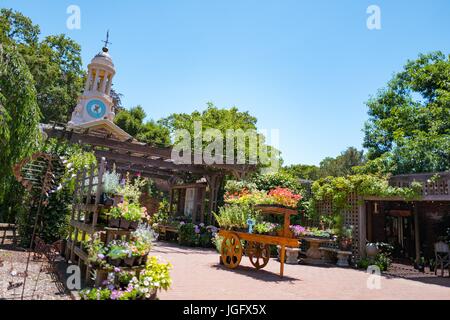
(257, 246)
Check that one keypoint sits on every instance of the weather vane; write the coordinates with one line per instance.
(106, 41)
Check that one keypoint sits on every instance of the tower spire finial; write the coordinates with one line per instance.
(105, 48)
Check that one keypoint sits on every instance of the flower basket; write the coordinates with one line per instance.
(275, 208)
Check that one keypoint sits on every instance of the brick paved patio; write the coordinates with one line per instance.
(197, 275)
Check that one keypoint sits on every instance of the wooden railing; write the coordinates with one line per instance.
(435, 186)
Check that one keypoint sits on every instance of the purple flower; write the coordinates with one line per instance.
(197, 229)
(101, 256)
(117, 269)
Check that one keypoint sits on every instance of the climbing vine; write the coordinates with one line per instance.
(339, 189)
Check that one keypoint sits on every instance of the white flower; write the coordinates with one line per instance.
(146, 283)
(147, 295)
(156, 284)
(145, 290)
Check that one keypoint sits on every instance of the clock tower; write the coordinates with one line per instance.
(95, 107)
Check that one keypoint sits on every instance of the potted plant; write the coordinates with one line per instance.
(432, 265)
(96, 251)
(421, 265)
(132, 215)
(111, 183)
(115, 214)
(118, 251)
(345, 238)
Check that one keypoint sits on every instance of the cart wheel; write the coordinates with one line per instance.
(258, 253)
(231, 251)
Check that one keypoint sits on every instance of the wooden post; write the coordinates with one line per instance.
(416, 231)
(362, 226)
(282, 255)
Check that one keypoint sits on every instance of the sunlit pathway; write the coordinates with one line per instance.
(197, 274)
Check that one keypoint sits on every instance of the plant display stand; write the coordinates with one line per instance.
(84, 222)
(257, 245)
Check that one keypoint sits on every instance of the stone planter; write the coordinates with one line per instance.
(291, 256)
(343, 257)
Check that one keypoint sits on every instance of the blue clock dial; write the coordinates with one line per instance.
(96, 109)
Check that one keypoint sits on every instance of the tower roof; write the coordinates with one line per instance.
(103, 58)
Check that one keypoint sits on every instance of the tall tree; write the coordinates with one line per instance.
(409, 119)
(132, 121)
(222, 120)
(19, 117)
(343, 164)
(55, 64)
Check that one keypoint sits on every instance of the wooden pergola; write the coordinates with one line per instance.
(150, 161)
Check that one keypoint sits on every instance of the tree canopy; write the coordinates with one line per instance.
(19, 114)
(55, 64)
(408, 128)
(132, 121)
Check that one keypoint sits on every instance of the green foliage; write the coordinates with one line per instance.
(281, 179)
(19, 116)
(233, 216)
(338, 189)
(408, 120)
(55, 64)
(132, 121)
(187, 235)
(222, 120)
(131, 191)
(111, 182)
(302, 171)
(343, 164)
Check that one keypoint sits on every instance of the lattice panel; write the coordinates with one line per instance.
(351, 218)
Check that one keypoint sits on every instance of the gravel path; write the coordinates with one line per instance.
(197, 274)
(41, 283)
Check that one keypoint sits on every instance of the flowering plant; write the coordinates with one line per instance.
(285, 197)
(277, 196)
(129, 211)
(297, 230)
(96, 251)
(267, 227)
(118, 249)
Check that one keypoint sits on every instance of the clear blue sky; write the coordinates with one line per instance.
(304, 67)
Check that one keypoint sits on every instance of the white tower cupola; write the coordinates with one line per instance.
(95, 105)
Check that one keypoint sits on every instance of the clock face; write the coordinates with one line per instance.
(96, 108)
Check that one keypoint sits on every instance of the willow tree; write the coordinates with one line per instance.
(19, 120)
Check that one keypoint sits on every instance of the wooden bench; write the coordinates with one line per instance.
(164, 230)
(328, 255)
